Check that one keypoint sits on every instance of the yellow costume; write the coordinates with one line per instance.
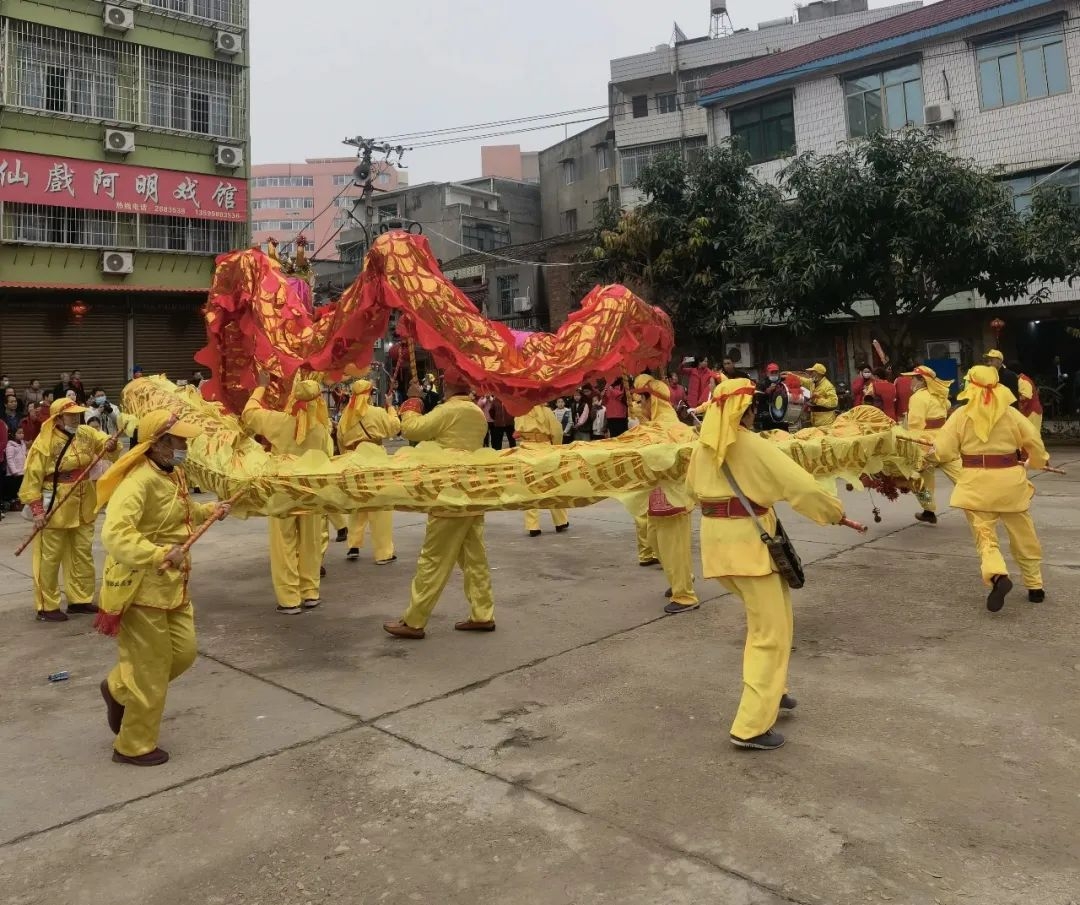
(732, 550)
(150, 513)
(540, 427)
(983, 437)
(55, 460)
(361, 422)
(928, 410)
(823, 399)
(460, 425)
(668, 532)
(297, 542)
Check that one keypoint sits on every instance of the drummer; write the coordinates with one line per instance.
(766, 392)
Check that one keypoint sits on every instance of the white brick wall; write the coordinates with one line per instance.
(654, 128)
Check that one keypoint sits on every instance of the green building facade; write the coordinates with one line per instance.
(124, 164)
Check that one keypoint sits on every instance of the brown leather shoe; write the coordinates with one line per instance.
(52, 616)
(82, 609)
(401, 630)
(114, 710)
(469, 626)
(153, 758)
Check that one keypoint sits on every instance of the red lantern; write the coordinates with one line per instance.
(997, 325)
(79, 309)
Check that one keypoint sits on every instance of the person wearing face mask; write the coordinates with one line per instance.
(928, 410)
(767, 390)
(63, 450)
(108, 414)
(865, 376)
(145, 602)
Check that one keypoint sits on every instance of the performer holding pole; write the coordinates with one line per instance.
(983, 437)
(296, 541)
(457, 424)
(63, 503)
(731, 465)
(823, 399)
(540, 427)
(361, 422)
(149, 527)
(928, 410)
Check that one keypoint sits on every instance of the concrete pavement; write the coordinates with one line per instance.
(577, 755)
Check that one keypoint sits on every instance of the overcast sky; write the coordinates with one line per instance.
(326, 69)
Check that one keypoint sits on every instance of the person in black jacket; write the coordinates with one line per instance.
(1006, 377)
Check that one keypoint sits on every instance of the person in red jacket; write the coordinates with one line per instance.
(881, 393)
(617, 416)
(699, 375)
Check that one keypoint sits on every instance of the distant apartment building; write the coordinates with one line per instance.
(654, 95)
(124, 150)
(509, 162)
(312, 198)
(997, 80)
(575, 176)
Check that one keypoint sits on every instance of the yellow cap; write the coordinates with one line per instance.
(994, 353)
(818, 369)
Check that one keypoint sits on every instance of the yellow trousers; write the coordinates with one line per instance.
(645, 550)
(670, 537)
(72, 549)
(532, 518)
(296, 549)
(338, 521)
(382, 532)
(926, 496)
(154, 647)
(450, 541)
(769, 630)
(1023, 543)
(1036, 420)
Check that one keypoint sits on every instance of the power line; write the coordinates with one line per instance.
(468, 138)
(491, 125)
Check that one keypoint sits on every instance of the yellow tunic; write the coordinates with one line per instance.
(81, 507)
(149, 514)
(456, 424)
(539, 426)
(280, 429)
(376, 426)
(733, 547)
(992, 489)
(923, 407)
(823, 395)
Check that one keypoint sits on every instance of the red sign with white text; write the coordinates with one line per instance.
(93, 185)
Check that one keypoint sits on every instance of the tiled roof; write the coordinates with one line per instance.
(99, 287)
(929, 17)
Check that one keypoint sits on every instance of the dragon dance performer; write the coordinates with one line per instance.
(457, 424)
(823, 399)
(668, 518)
(539, 427)
(361, 422)
(297, 542)
(1030, 404)
(984, 437)
(63, 450)
(732, 548)
(928, 410)
(144, 599)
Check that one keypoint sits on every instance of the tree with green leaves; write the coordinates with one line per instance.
(680, 248)
(896, 220)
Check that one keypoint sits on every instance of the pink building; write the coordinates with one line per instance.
(287, 197)
(510, 162)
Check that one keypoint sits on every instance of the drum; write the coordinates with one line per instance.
(787, 405)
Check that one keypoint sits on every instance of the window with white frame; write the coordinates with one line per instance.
(507, 287)
(482, 236)
(569, 221)
(603, 157)
(1022, 67)
(183, 234)
(1024, 185)
(192, 94)
(613, 196)
(634, 160)
(60, 225)
(666, 103)
(282, 204)
(341, 179)
(283, 182)
(230, 12)
(891, 99)
(569, 171)
(387, 211)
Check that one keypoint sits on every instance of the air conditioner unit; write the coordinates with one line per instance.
(939, 114)
(118, 141)
(118, 262)
(739, 353)
(116, 18)
(227, 42)
(522, 304)
(229, 156)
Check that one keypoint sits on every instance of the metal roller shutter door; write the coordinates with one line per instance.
(166, 340)
(39, 340)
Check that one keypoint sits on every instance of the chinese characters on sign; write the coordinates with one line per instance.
(40, 179)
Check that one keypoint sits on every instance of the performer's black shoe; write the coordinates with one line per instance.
(787, 702)
(386, 562)
(353, 553)
(995, 600)
(312, 603)
(82, 609)
(535, 533)
(322, 571)
(52, 616)
(114, 710)
(154, 758)
(290, 610)
(667, 593)
(926, 517)
(767, 741)
(649, 562)
(1036, 595)
(559, 529)
(342, 535)
(672, 608)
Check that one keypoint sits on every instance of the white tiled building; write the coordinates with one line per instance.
(1003, 78)
(654, 95)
